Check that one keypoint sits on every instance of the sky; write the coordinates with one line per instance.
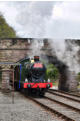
(57, 20)
(43, 19)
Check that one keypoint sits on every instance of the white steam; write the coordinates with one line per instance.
(36, 47)
(44, 20)
(59, 46)
(72, 56)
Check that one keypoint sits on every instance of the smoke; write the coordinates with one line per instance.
(44, 20)
(36, 47)
(72, 55)
(59, 46)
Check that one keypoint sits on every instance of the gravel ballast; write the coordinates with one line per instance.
(22, 110)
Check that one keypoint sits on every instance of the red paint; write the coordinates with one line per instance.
(35, 85)
(38, 65)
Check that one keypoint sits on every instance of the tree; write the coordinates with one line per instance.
(5, 30)
(78, 77)
(52, 72)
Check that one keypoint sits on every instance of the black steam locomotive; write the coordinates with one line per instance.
(30, 76)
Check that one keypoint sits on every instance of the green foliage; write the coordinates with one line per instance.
(52, 72)
(78, 77)
(5, 30)
(78, 73)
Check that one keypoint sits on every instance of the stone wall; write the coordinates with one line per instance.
(12, 50)
(16, 49)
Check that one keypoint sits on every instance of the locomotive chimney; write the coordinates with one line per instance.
(36, 58)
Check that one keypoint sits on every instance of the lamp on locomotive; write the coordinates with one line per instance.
(32, 60)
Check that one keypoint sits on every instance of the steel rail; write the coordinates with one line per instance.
(65, 93)
(61, 115)
(61, 103)
(73, 99)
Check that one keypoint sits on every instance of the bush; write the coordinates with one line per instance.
(5, 30)
(78, 77)
(52, 72)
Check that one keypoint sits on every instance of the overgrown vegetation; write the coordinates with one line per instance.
(78, 77)
(5, 30)
(52, 72)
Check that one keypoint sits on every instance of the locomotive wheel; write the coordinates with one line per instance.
(41, 94)
(16, 85)
(27, 92)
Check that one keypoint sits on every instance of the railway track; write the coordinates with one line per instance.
(60, 91)
(64, 111)
(65, 95)
(74, 103)
(64, 104)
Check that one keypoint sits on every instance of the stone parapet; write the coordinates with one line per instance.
(13, 50)
(68, 81)
(5, 76)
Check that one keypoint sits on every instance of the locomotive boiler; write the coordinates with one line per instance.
(30, 76)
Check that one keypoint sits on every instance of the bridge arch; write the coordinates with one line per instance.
(67, 81)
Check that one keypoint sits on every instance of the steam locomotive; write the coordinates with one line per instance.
(30, 77)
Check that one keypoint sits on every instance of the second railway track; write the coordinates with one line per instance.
(65, 95)
(63, 111)
(65, 108)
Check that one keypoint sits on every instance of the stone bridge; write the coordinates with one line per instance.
(12, 50)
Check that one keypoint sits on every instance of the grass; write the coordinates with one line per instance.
(55, 83)
(78, 87)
